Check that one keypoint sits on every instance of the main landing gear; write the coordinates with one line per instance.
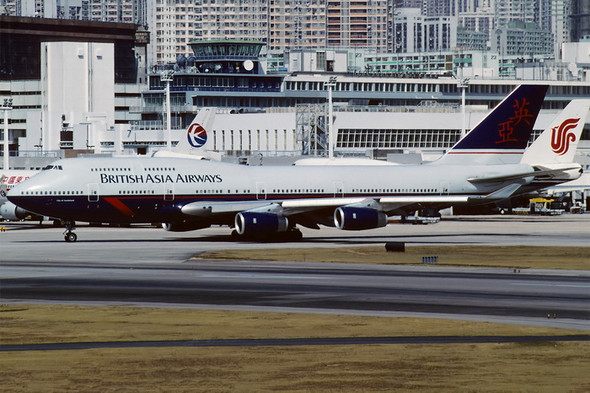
(69, 235)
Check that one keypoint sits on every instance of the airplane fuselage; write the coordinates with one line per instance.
(148, 190)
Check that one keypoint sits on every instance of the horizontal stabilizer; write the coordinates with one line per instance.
(502, 193)
(524, 175)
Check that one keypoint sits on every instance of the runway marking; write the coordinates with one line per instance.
(292, 342)
(263, 276)
(554, 285)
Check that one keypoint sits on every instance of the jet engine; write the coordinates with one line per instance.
(184, 226)
(9, 211)
(250, 223)
(358, 218)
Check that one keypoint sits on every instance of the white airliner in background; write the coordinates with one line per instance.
(9, 179)
(266, 201)
(198, 143)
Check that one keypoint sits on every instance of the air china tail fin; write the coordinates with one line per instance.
(502, 136)
(557, 143)
(197, 141)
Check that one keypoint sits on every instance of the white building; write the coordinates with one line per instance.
(77, 81)
(414, 32)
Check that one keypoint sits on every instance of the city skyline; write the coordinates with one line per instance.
(528, 27)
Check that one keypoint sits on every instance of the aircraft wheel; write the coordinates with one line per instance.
(70, 237)
(295, 235)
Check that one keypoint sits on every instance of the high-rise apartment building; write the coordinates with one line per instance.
(554, 17)
(296, 24)
(282, 24)
(439, 7)
(516, 10)
(114, 10)
(126, 11)
(360, 24)
(580, 20)
(172, 24)
(417, 33)
(175, 23)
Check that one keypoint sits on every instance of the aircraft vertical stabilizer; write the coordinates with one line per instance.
(197, 142)
(502, 136)
(558, 143)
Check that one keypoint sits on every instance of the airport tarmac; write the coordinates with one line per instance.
(149, 267)
(145, 244)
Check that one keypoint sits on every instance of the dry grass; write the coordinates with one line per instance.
(54, 323)
(522, 257)
(541, 367)
(547, 367)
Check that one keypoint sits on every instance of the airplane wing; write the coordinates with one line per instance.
(550, 173)
(293, 207)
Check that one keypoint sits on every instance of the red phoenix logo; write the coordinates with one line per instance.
(562, 135)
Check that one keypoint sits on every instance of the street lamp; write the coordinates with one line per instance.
(6, 106)
(330, 85)
(166, 76)
(463, 83)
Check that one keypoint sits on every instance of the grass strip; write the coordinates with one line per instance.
(538, 367)
(521, 257)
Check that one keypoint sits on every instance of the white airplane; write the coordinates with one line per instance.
(8, 179)
(554, 150)
(266, 201)
(198, 142)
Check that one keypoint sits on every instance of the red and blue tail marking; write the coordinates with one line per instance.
(505, 131)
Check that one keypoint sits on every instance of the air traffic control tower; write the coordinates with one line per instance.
(228, 56)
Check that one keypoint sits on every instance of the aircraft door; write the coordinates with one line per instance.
(169, 192)
(444, 188)
(260, 190)
(93, 194)
(338, 189)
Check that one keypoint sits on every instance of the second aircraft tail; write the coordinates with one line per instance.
(502, 136)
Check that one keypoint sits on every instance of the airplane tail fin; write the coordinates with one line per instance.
(557, 143)
(197, 142)
(502, 136)
(198, 134)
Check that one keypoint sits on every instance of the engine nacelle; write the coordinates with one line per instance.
(183, 226)
(9, 211)
(251, 223)
(358, 218)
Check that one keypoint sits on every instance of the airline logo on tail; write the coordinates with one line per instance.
(562, 135)
(521, 114)
(197, 135)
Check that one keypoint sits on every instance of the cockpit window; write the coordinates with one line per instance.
(48, 167)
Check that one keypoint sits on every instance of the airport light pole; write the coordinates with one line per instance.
(6, 106)
(463, 83)
(167, 76)
(329, 123)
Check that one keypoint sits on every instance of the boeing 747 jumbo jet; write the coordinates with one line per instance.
(266, 201)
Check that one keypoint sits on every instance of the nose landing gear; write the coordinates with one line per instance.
(69, 235)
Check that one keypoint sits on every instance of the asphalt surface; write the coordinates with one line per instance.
(148, 267)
